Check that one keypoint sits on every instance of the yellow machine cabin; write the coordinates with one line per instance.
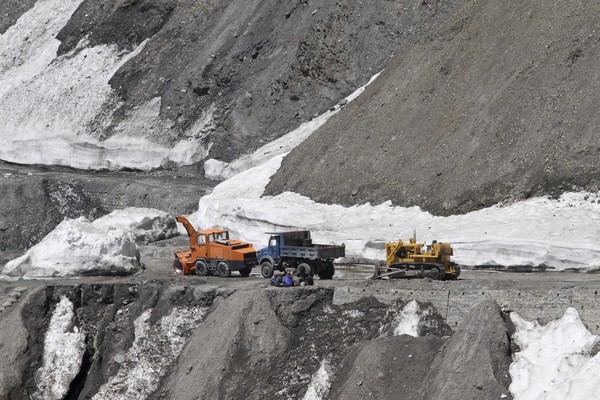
(416, 260)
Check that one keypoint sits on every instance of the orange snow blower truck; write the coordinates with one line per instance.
(212, 252)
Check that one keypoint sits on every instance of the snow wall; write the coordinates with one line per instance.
(53, 109)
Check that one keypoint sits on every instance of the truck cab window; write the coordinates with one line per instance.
(201, 240)
(219, 237)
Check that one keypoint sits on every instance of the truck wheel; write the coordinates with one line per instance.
(304, 270)
(223, 269)
(177, 266)
(245, 271)
(201, 268)
(327, 271)
(266, 269)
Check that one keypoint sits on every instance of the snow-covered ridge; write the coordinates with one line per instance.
(53, 109)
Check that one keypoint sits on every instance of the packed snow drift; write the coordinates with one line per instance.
(106, 246)
(554, 361)
(558, 233)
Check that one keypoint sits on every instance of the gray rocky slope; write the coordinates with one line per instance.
(159, 341)
(498, 104)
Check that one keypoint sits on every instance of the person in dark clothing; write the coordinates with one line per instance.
(288, 280)
(277, 278)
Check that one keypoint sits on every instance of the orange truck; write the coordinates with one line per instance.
(212, 252)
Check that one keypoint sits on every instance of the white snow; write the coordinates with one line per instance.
(64, 346)
(409, 320)
(29, 46)
(561, 233)
(554, 361)
(145, 225)
(105, 246)
(51, 107)
(320, 384)
(141, 369)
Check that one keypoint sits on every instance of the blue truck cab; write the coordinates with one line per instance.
(296, 250)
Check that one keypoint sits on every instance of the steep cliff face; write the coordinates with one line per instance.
(497, 105)
(148, 83)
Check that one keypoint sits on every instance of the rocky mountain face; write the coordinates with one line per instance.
(498, 104)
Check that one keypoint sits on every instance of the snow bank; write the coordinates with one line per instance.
(106, 246)
(51, 107)
(145, 225)
(64, 346)
(561, 233)
(141, 369)
(554, 362)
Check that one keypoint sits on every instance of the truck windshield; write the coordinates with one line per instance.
(220, 236)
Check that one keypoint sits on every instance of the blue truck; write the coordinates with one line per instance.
(296, 250)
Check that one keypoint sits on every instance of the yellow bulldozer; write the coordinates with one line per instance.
(416, 260)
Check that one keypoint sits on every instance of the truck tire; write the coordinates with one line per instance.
(201, 268)
(177, 266)
(266, 269)
(327, 270)
(223, 269)
(305, 270)
(245, 272)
